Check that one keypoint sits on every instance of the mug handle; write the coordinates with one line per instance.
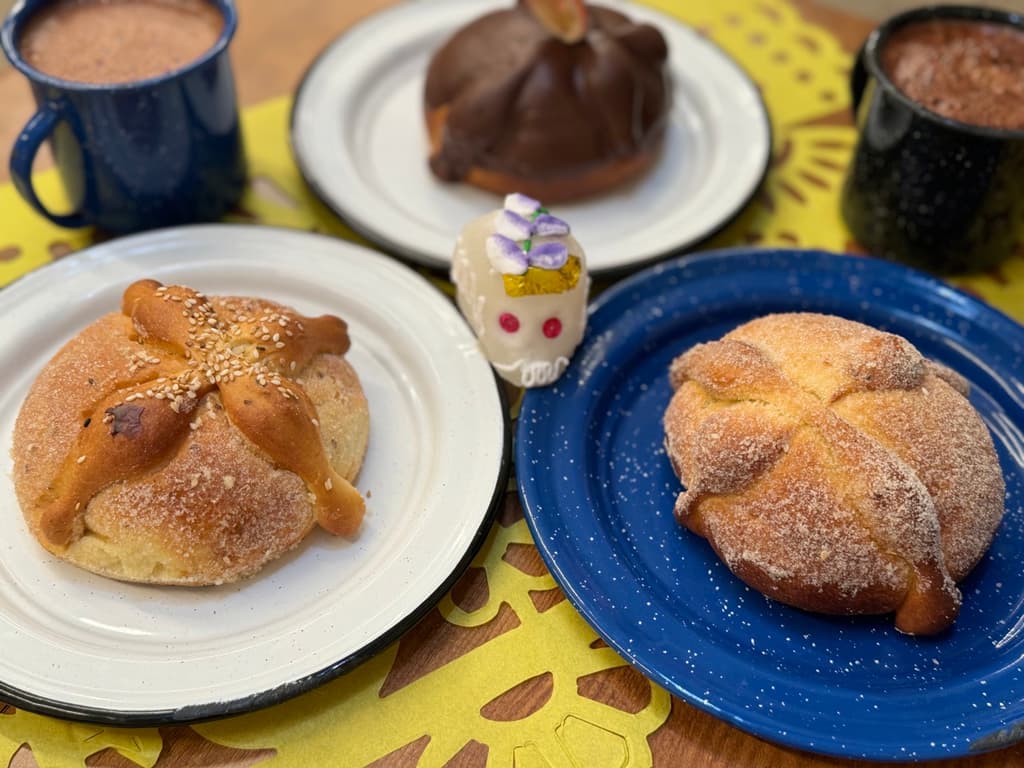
(36, 131)
(858, 81)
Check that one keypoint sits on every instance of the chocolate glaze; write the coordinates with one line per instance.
(524, 103)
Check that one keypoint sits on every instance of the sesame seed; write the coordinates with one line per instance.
(80, 460)
(328, 484)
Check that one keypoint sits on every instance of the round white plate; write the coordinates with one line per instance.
(83, 646)
(359, 140)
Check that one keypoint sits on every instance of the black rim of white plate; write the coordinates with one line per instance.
(430, 261)
(245, 704)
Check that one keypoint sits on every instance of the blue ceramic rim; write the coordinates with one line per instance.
(877, 39)
(20, 14)
(216, 710)
(757, 724)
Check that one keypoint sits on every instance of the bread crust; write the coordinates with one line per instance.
(613, 173)
(196, 495)
(833, 468)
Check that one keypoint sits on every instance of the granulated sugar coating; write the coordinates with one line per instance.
(191, 440)
(599, 491)
(833, 468)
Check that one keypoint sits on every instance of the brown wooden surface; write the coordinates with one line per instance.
(276, 41)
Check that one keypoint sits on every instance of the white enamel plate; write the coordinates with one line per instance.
(359, 139)
(83, 646)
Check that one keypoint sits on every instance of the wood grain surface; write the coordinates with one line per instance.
(275, 44)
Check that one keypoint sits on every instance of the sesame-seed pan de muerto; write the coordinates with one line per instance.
(190, 439)
(834, 468)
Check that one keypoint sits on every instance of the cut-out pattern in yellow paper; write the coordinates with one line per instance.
(349, 723)
(543, 649)
(796, 205)
(803, 74)
(66, 745)
(800, 69)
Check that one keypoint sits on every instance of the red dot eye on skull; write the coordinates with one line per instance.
(552, 327)
(508, 322)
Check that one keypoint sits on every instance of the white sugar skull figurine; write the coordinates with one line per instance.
(521, 281)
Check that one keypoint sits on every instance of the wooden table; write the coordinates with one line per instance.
(275, 43)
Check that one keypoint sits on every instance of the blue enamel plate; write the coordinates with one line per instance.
(598, 492)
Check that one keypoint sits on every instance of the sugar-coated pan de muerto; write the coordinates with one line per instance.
(191, 439)
(833, 468)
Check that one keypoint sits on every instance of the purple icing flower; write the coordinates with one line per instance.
(521, 204)
(548, 255)
(513, 226)
(547, 225)
(511, 249)
(506, 256)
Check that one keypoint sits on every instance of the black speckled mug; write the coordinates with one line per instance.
(924, 189)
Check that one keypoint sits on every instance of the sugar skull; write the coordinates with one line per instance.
(521, 281)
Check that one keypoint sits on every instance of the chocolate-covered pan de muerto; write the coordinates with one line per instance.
(515, 103)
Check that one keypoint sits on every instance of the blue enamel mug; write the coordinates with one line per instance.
(150, 153)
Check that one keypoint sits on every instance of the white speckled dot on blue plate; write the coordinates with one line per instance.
(598, 493)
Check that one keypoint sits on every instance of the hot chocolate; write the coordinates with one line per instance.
(118, 41)
(969, 71)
